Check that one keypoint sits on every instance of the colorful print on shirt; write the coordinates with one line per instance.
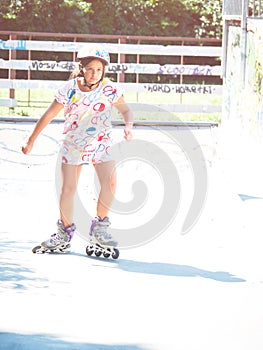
(87, 124)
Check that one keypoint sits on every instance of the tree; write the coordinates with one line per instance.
(209, 13)
(139, 17)
(130, 17)
(45, 15)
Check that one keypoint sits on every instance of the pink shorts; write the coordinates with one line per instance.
(92, 153)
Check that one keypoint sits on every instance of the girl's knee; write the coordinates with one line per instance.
(68, 190)
(111, 180)
(109, 183)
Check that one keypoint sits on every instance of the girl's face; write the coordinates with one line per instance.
(93, 71)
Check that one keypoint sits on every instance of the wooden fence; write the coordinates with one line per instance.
(120, 68)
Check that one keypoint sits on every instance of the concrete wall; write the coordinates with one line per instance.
(254, 76)
(242, 83)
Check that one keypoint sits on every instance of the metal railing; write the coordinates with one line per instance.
(20, 48)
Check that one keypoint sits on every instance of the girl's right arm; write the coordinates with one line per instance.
(46, 118)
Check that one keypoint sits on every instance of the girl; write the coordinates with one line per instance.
(87, 99)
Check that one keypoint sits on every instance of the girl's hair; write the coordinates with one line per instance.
(78, 72)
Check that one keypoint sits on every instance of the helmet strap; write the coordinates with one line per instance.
(91, 85)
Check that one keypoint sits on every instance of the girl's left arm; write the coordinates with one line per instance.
(127, 114)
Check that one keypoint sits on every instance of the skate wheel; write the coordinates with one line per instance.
(67, 246)
(98, 253)
(115, 253)
(106, 255)
(37, 249)
(89, 251)
(64, 247)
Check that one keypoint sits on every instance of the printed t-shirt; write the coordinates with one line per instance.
(87, 124)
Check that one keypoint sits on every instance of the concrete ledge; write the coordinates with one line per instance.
(139, 123)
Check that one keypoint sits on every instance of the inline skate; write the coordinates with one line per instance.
(100, 241)
(59, 241)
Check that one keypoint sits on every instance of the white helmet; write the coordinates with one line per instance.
(94, 51)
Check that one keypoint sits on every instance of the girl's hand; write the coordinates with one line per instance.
(26, 149)
(128, 133)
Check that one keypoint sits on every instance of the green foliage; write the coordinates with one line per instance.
(130, 17)
(209, 13)
(44, 15)
(138, 17)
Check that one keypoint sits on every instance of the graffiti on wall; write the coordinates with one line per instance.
(52, 66)
(170, 69)
(132, 68)
(180, 88)
(13, 45)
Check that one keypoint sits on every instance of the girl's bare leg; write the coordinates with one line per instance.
(70, 177)
(107, 177)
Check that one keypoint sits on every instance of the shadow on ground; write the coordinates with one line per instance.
(18, 276)
(14, 341)
(164, 269)
(15, 271)
(173, 270)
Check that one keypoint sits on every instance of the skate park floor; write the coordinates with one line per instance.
(199, 290)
